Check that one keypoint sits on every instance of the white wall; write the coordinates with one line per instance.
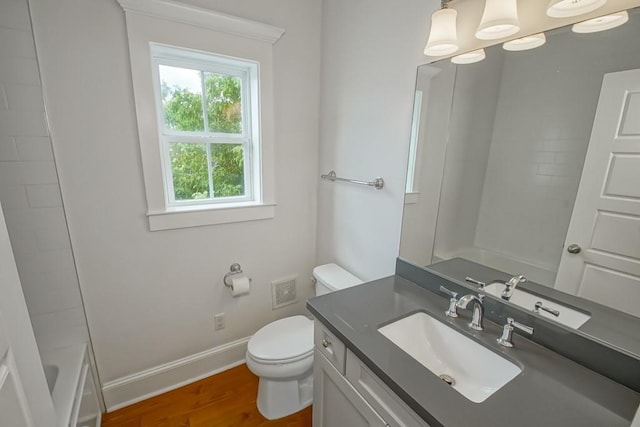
(29, 190)
(151, 296)
(540, 138)
(370, 50)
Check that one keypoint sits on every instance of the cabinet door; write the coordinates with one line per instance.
(379, 396)
(335, 402)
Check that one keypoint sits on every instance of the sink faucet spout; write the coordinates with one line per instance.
(478, 310)
(511, 286)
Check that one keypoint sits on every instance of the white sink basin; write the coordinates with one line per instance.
(476, 371)
(567, 316)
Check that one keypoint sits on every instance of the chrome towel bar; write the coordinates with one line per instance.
(377, 183)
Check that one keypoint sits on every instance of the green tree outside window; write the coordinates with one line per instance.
(184, 111)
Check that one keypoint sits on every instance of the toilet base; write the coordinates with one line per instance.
(279, 398)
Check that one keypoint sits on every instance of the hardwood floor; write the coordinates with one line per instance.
(227, 399)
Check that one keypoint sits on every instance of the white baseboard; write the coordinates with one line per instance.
(160, 379)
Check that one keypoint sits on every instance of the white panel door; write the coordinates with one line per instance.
(601, 260)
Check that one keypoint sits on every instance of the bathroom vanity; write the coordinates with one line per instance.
(361, 378)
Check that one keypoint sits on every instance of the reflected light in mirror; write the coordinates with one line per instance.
(525, 43)
(568, 8)
(443, 36)
(499, 20)
(469, 57)
(601, 23)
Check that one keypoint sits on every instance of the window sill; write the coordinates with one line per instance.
(196, 216)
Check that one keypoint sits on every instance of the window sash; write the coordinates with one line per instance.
(241, 73)
(248, 175)
(200, 63)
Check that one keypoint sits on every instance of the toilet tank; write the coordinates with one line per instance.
(332, 277)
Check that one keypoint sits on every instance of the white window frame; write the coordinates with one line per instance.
(200, 30)
(247, 72)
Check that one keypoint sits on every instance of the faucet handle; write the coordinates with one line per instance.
(452, 311)
(448, 292)
(506, 340)
(540, 306)
(522, 327)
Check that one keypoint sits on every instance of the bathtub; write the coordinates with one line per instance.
(67, 374)
(545, 275)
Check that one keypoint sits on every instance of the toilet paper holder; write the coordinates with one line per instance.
(234, 270)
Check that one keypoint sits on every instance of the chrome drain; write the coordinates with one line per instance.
(447, 379)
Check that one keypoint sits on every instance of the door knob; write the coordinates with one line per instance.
(574, 249)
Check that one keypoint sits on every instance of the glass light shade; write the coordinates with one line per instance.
(601, 23)
(525, 43)
(499, 20)
(443, 37)
(568, 8)
(469, 57)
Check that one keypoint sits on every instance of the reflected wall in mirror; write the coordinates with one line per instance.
(500, 155)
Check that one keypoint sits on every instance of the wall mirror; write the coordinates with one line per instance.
(512, 168)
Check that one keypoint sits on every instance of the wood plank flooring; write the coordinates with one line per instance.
(227, 399)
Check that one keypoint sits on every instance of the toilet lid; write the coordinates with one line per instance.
(283, 339)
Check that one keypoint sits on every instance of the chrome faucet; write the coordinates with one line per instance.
(478, 310)
(511, 286)
(454, 304)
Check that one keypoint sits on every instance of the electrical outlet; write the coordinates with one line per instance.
(283, 292)
(218, 321)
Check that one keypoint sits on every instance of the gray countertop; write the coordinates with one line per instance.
(551, 390)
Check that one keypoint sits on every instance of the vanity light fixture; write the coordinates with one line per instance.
(469, 57)
(601, 23)
(499, 20)
(568, 8)
(525, 43)
(443, 36)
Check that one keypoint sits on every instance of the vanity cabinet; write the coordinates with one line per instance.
(347, 393)
(335, 402)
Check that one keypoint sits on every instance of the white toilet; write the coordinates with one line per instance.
(281, 353)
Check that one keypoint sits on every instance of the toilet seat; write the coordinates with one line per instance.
(283, 341)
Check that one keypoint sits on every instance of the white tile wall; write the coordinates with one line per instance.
(30, 192)
(3, 99)
(24, 97)
(33, 148)
(43, 195)
(8, 149)
(16, 43)
(15, 14)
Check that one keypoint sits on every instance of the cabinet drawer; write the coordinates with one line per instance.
(332, 348)
(395, 412)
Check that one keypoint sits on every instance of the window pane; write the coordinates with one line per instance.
(224, 105)
(228, 170)
(181, 90)
(190, 171)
